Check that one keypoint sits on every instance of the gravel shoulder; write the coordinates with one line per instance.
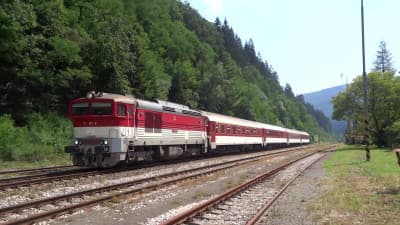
(292, 207)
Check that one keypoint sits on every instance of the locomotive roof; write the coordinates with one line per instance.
(115, 97)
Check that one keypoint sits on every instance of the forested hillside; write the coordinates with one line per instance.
(52, 51)
(322, 100)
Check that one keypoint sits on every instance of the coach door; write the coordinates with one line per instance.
(264, 136)
(131, 115)
(211, 131)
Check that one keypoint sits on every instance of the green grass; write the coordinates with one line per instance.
(350, 159)
(360, 192)
(51, 160)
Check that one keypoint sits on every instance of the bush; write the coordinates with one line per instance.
(393, 135)
(11, 138)
(49, 130)
(43, 138)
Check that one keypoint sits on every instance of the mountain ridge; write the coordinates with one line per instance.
(322, 100)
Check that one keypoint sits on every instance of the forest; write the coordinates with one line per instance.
(54, 51)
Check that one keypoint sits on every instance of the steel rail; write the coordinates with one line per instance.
(46, 179)
(67, 209)
(187, 215)
(263, 209)
(34, 169)
(128, 183)
(16, 182)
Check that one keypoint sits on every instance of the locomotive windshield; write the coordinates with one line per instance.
(101, 108)
(80, 109)
(94, 108)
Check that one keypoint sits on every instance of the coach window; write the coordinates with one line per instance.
(233, 130)
(121, 110)
(216, 128)
(228, 129)
(222, 129)
(238, 130)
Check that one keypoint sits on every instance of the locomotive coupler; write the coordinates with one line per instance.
(72, 149)
(102, 150)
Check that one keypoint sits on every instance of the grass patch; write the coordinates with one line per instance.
(360, 192)
(51, 160)
(352, 160)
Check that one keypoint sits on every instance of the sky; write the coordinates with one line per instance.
(311, 44)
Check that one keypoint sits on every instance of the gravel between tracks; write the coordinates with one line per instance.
(292, 206)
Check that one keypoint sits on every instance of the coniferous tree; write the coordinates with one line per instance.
(289, 91)
(383, 62)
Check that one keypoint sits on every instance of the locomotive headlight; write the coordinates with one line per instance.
(76, 142)
(105, 142)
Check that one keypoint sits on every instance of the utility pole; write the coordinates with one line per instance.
(366, 116)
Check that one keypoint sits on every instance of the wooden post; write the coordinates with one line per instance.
(366, 116)
(397, 151)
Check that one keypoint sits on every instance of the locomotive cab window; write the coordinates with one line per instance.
(80, 109)
(101, 108)
(121, 110)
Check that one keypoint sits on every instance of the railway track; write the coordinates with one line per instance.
(23, 181)
(41, 169)
(247, 202)
(78, 200)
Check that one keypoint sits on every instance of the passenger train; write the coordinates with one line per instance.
(111, 128)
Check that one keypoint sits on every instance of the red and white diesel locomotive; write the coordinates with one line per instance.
(112, 128)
